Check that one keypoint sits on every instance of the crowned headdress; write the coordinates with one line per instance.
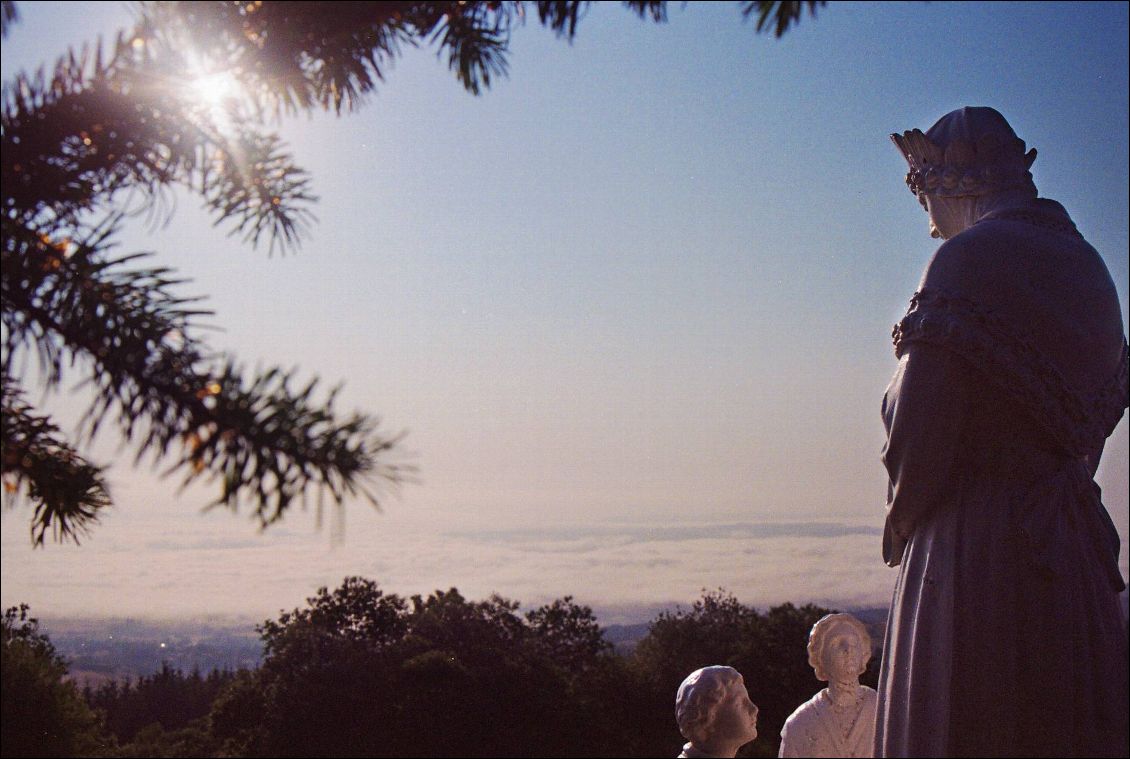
(970, 151)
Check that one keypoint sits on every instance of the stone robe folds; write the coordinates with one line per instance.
(1005, 636)
(813, 730)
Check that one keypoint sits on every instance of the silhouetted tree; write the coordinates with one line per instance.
(236, 719)
(603, 695)
(568, 634)
(105, 135)
(361, 672)
(358, 672)
(41, 714)
(168, 698)
(192, 740)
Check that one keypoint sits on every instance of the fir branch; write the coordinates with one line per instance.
(268, 442)
(291, 56)
(779, 15)
(8, 16)
(562, 15)
(68, 491)
(75, 140)
(109, 132)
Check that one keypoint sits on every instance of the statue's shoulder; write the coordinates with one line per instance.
(806, 715)
(1007, 243)
(967, 260)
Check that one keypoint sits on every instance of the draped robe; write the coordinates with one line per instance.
(813, 730)
(1005, 635)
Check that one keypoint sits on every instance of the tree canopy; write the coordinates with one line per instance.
(361, 672)
(442, 667)
(42, 714)
(358, 671)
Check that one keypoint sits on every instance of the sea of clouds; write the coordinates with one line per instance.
(178, 564)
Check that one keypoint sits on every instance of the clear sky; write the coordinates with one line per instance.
(632, 306)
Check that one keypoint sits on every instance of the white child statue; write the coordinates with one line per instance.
(714, 713)
(839, 720)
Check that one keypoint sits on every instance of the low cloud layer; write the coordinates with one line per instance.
(625, 571)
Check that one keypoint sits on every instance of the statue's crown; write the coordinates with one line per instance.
(964, 167)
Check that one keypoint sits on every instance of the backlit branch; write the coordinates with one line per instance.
(267, 441)
(67, 491)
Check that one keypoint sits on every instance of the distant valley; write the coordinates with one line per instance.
(117, 649)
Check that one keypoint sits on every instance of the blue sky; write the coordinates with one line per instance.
(644, 283)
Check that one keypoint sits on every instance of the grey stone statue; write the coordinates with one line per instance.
(1005, 635)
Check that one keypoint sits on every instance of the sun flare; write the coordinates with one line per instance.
(215, 89)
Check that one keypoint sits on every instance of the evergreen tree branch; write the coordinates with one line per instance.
(779, 15)
(266, 441)
(8, 16)
(657, 9)
(68, 491)
(73, 141)
(292, 56)
(296, 56)
(109, 132)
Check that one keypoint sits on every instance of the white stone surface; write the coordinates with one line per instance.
(838, 721)
(715, 713)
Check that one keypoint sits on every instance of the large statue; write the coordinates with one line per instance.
(1005, 635)
(839, 720)
(714, 713)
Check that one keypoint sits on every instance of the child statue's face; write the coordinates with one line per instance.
(735, 719)
(843, 657)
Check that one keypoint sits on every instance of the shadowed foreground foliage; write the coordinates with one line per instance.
(359, 672)
(40, 713)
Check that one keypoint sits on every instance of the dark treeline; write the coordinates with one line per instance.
(169, 699)
(358, 672)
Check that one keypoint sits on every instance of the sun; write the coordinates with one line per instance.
(214, 90)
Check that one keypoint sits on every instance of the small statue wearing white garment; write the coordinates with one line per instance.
(714, 713)
(839, 720)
